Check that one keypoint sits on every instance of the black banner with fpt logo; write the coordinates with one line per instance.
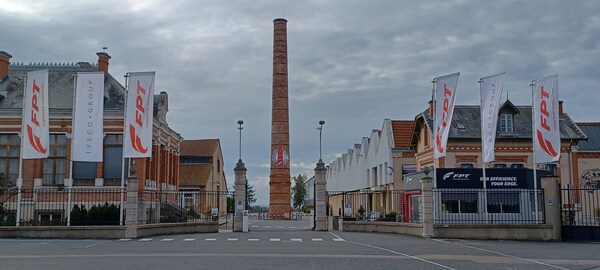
(496, 178)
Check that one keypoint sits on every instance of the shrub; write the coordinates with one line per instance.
(106, 214)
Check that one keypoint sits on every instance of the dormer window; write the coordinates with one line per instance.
(506, 123)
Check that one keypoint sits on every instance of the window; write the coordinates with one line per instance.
(55, 166)
(84, 173)
(113, 159)
(425, 136)
(10, 149)
(499, 166)
(459, 202)
(195, 160)
(218, 166)
(503, 202)
(506, 123)
(517, 166)
(466, 165)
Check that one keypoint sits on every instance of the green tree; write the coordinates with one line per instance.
(299, 191)
(251, 196)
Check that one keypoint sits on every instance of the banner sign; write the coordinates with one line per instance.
(36, 120)
(445, 96)
(491, 91)
(139, 115)
(88, 117)
(496, 178)
(546, 124)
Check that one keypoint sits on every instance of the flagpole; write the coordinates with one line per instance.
(485, 212)
(20, 179)
(70, 186)
(433, 93)
(121, 221)
(535, 186)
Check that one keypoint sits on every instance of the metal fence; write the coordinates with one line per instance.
(488, 206)
(372, 205)
(580, 206)
(60, 206)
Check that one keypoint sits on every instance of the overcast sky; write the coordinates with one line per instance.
(351, 63)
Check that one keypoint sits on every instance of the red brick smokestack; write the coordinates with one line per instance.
(279, 183)
(4, 63)
(103, 61)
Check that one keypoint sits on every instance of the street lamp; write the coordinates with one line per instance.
(240, 122)
(320, 128)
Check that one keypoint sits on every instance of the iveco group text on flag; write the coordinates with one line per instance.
(491, 91)
(139, 115)
(546, 126)
(36, 120)
(88, 117)
(445, 96)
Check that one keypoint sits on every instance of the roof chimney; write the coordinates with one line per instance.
(4, 63)
(431, 108)
(561, 113)
(103, 61)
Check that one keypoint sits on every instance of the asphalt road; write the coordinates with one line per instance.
(280, 246)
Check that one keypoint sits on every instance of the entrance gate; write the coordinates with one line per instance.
(580, 213)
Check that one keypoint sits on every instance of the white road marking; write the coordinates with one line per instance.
(253, 239)
(232, 239)
(210, 239)
(296, 240)
(337, 238)
(124, 240)
(254, 226)
(317, 239)
(267, 227)
(167, 240)
(293, 227)
(274, 239)
(306, 227)
(189, 239)
(280, 227)
(501, 254)
(145, 240)
(97, 244)
(402, 254)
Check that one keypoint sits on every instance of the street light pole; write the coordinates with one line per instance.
(320, 128)
(240, 122)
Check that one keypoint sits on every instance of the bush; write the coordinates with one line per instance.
(391, 215)
(106, 214)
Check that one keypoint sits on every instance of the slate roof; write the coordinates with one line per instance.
(199, 148)
(466, 124)
(60, 86)
(592, 144)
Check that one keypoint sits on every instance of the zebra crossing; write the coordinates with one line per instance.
(230, 239)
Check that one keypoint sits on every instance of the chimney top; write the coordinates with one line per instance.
(5, 54)
(4, 64)
(103, 61)
(280, 20)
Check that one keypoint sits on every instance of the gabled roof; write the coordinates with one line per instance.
(466, 124)
(199, 148)
(507, 105)
(402, 130)
(60, 86)
(592, 130)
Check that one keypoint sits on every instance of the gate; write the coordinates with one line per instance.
(580, 213)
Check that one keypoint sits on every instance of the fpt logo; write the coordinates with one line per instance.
(544, 116)
(456, 176)
(447, 94)
(140, 117)
(36, 115)
(280, 157)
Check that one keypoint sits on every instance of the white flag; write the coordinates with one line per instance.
(35, 116)
(445, 96)
(546, 125)
(139, 115)
(491, 91)
(88, 117)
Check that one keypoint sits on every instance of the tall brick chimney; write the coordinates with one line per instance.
(279, 180)
(4, 63)
(103, 61)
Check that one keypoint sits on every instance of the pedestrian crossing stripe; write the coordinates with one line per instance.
(296, 240)
(124, 239)
(145, 240)
(167, 240)
(189, 239)
(210, 239)
(274, 239)
(338, 240)
(317, 239)
(253, 239)
(232, 239)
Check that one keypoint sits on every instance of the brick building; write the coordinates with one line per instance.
(156, 173)
(201, 172)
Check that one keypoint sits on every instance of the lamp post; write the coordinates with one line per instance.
(320, 128)
(240, 122)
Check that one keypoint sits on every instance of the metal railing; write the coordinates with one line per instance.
(580, 206)
(371, 205)
(169, 206)
(488, 206)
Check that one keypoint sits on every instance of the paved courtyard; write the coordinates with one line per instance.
(290, 245)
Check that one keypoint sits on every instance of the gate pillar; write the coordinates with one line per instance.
(240, 195)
